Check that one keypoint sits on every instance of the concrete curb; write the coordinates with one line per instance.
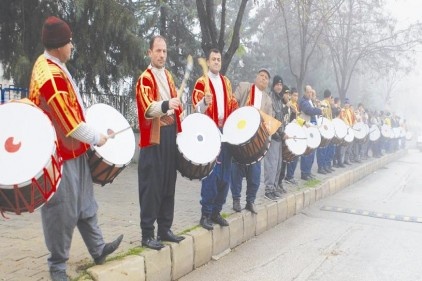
(200, 245)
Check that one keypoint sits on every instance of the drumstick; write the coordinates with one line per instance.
(112, 135)
(189, 67)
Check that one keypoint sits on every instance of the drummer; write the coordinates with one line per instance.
(325, 154)
(251, 94)
(348, 116)
(53, 89)
(159, 121)
(212, 95)
(309, 113)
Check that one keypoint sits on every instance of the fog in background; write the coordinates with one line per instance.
(407, 97)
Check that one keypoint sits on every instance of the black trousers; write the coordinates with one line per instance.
(156, 183)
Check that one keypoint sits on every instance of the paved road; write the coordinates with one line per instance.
(331, 244)
(22, 250)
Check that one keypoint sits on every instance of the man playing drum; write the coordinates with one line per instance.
(212, 95)
(249, 94)
(53, 89)
(325, 154)
(307, 107)
(159, 121)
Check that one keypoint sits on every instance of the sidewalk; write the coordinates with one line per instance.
(23, 252)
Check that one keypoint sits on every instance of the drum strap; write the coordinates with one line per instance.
(167, 120)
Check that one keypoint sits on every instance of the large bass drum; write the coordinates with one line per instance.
(340, 129)
(106, 162)
(247, 135)
(30, 169)
(326, 129)
(374, 133)
(360, 131)
(198, 146)
(296, 143)
(313, 139)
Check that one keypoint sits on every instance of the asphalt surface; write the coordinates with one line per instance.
(23, 254)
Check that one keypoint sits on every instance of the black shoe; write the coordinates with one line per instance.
(206, 222)
(151, 243)
(108, 249)
(347, 163)
(218, 219)
(270, 196)
(341, 165)
(170, 237)
(327, 170)
(305, 177)
(321, 171)
(236, 205)
(291, 181)
(58, 275)
(251, 207)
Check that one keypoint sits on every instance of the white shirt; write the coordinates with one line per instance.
(258, 98)
(217, 83)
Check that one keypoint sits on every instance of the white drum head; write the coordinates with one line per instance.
(340, 128)
(120, 149)
(350, 135)
(374, 133)
(297, 141)
(313, 137)
(326, 128)
(386, 131)
(200, 139)
(27, 143)
(359, 130)
(241, 125)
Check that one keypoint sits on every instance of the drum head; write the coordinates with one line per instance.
(120, 149)
(297, 141)
(340, 128)
(241, 125)
(313, 137)
(350, 135)
(374, 133)
(27, 143)
(359, 130)
(200, 139)
(326, 128)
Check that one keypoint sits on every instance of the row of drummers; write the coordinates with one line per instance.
(302, 140)
(248, 130)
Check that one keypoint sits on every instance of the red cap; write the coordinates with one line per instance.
(55, 33)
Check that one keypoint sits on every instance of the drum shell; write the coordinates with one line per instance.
(198, 146)
(296, 143)
(254, 149)
(102, 171)
(108, 161)
(36, 183)
(247, 135)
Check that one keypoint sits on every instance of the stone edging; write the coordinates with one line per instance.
(201, 246)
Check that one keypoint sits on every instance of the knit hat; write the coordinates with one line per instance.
(346, 101)
(55, 33)
(277, 79)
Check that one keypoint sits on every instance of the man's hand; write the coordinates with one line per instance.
(103, 140)
(174, 103)
(208, 98)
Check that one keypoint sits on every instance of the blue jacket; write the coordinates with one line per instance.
(307, 109)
